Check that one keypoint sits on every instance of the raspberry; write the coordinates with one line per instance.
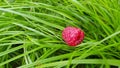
(72, 36)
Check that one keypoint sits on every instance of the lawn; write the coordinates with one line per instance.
(31, 33)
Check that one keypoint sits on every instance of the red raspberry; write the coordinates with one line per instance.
(72, 36)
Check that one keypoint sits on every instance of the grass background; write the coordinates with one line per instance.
(30, 33)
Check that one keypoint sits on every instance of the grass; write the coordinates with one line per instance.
(30, 33)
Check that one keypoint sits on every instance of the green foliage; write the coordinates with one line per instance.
(30, 33)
